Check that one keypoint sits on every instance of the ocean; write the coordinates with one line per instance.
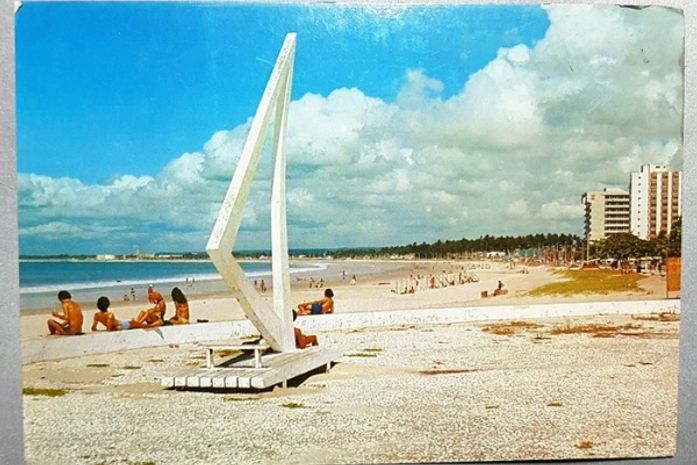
(40, 281)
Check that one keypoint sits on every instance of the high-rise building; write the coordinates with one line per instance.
(655, 200)
(606, 213)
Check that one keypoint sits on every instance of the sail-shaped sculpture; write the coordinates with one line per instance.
(274, 322)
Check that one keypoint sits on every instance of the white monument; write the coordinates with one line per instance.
(274, 322)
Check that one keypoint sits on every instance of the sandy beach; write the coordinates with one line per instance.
(458, 392)
(410, 393)
(373, 291)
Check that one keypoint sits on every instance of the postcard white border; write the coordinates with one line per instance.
(11, 417)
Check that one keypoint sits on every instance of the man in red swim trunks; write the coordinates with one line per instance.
(303, 340)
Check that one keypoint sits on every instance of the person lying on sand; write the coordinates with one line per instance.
(302, 340)
(70, 322)
(155, 298)
(181, 308)
(318, 307)
(107, 318)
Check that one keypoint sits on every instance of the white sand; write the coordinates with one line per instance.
(427, 394)
(402, 394)
(373, 292)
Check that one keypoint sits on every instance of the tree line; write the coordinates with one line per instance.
(624, 245)
(487, 243)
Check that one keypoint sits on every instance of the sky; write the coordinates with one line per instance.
(406, 123)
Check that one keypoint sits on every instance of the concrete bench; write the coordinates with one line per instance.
(257, 348)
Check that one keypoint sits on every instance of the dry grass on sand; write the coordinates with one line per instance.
(540, 332)
(590, 282)
(509, 328)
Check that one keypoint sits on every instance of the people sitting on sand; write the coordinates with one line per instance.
(318, 307)
(150, 318)
(70, 321)
(181, 308)
(155, 298)
(107, 318)
(303, 340)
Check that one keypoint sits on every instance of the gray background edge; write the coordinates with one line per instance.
(11, 419)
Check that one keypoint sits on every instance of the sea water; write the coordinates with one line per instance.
(40, 281)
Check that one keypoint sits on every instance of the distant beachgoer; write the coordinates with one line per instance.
(343, 275)
(256, 284)
(181, 308)
(312, 282)
(70, 322)
(500, 286)
(155, 298)
(303, 340)
(353, 280)
(318, 307)
(125, 298)
(107, 318)
(133, 294)
(263, 286)
(321, 283)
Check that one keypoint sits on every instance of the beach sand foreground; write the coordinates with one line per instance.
(407, 393)
(429, 393)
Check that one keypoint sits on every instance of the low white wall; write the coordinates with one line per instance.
(59, 347)
(468, 314)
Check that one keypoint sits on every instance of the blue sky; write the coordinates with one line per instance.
(131, 86)
(400, 116)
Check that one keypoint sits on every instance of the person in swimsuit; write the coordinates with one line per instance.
(318, 307)
(181, 308)
(155, 298)
(149, 318)
(107, 318)
(70, 321)
(303, 340)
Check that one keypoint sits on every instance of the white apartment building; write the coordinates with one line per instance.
(606, 213)
(656, 194)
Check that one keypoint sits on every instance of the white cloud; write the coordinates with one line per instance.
(556, 211)
(512, 152)
(518, 209)
(51, 230)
